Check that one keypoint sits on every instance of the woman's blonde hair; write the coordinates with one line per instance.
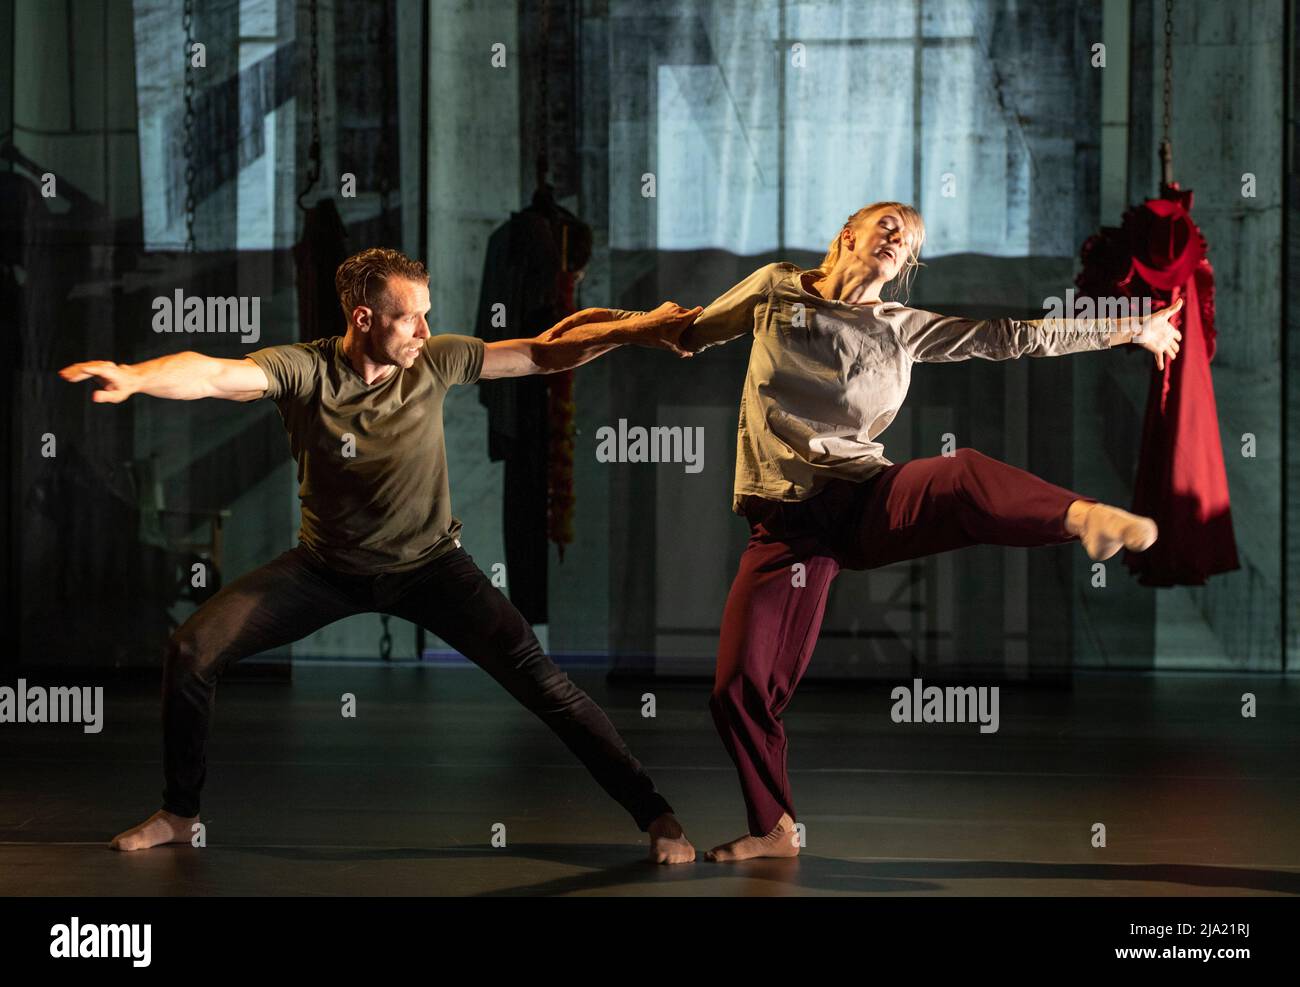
(912, 223)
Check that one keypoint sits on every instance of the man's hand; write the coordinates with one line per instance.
(576, 340)
(115, 382)
(1158, 335)
(580, 318)
(663, 327)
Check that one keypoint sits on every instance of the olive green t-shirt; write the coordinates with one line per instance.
(372, 460)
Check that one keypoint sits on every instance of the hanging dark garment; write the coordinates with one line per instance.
(522, 296)
(517, 300)
(1181, 482)
(575, 251)
(317, 256)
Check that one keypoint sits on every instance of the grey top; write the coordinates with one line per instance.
(827, 377)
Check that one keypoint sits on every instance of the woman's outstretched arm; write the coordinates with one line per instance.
(731, 314)
(932, 338)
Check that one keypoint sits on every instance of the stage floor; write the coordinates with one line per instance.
(402, 799)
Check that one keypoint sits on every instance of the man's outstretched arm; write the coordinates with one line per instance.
(179, 376)
(575, 340)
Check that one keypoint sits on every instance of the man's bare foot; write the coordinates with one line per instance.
(781, 842)
(668, 842)
(1104, 530)
(161, 827)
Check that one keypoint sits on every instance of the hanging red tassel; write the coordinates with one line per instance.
(559, 476)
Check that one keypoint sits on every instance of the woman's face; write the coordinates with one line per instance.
(882, 243)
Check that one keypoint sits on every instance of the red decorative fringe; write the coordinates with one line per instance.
(559, 476)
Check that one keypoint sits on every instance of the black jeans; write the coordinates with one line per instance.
(294, 595)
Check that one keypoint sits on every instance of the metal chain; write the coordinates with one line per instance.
(187, 22)
(315, 88)
(385, 184)
(385, 640)
(544, 102)
(313, 149)
(1169, 67)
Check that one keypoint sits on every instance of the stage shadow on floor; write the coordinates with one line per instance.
(606, 867)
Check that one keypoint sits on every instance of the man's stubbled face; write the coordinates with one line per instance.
(398, 329)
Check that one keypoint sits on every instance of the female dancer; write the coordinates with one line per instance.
(829, 369)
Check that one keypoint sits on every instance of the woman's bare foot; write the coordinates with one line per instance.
(668, 842)
(781, 842)
(161, 827)
(1104, 530)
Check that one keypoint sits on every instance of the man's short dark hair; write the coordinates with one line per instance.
(361, 279)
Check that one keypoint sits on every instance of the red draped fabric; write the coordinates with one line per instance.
(1158, 252)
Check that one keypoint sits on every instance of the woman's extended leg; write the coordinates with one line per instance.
(942, 503)
(773, 613)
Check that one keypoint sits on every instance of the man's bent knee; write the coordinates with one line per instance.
(183, 658)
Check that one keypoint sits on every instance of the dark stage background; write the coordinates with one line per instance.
(756, 156)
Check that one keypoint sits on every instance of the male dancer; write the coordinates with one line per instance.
(364, 417)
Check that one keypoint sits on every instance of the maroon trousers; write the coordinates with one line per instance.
(774, 611)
